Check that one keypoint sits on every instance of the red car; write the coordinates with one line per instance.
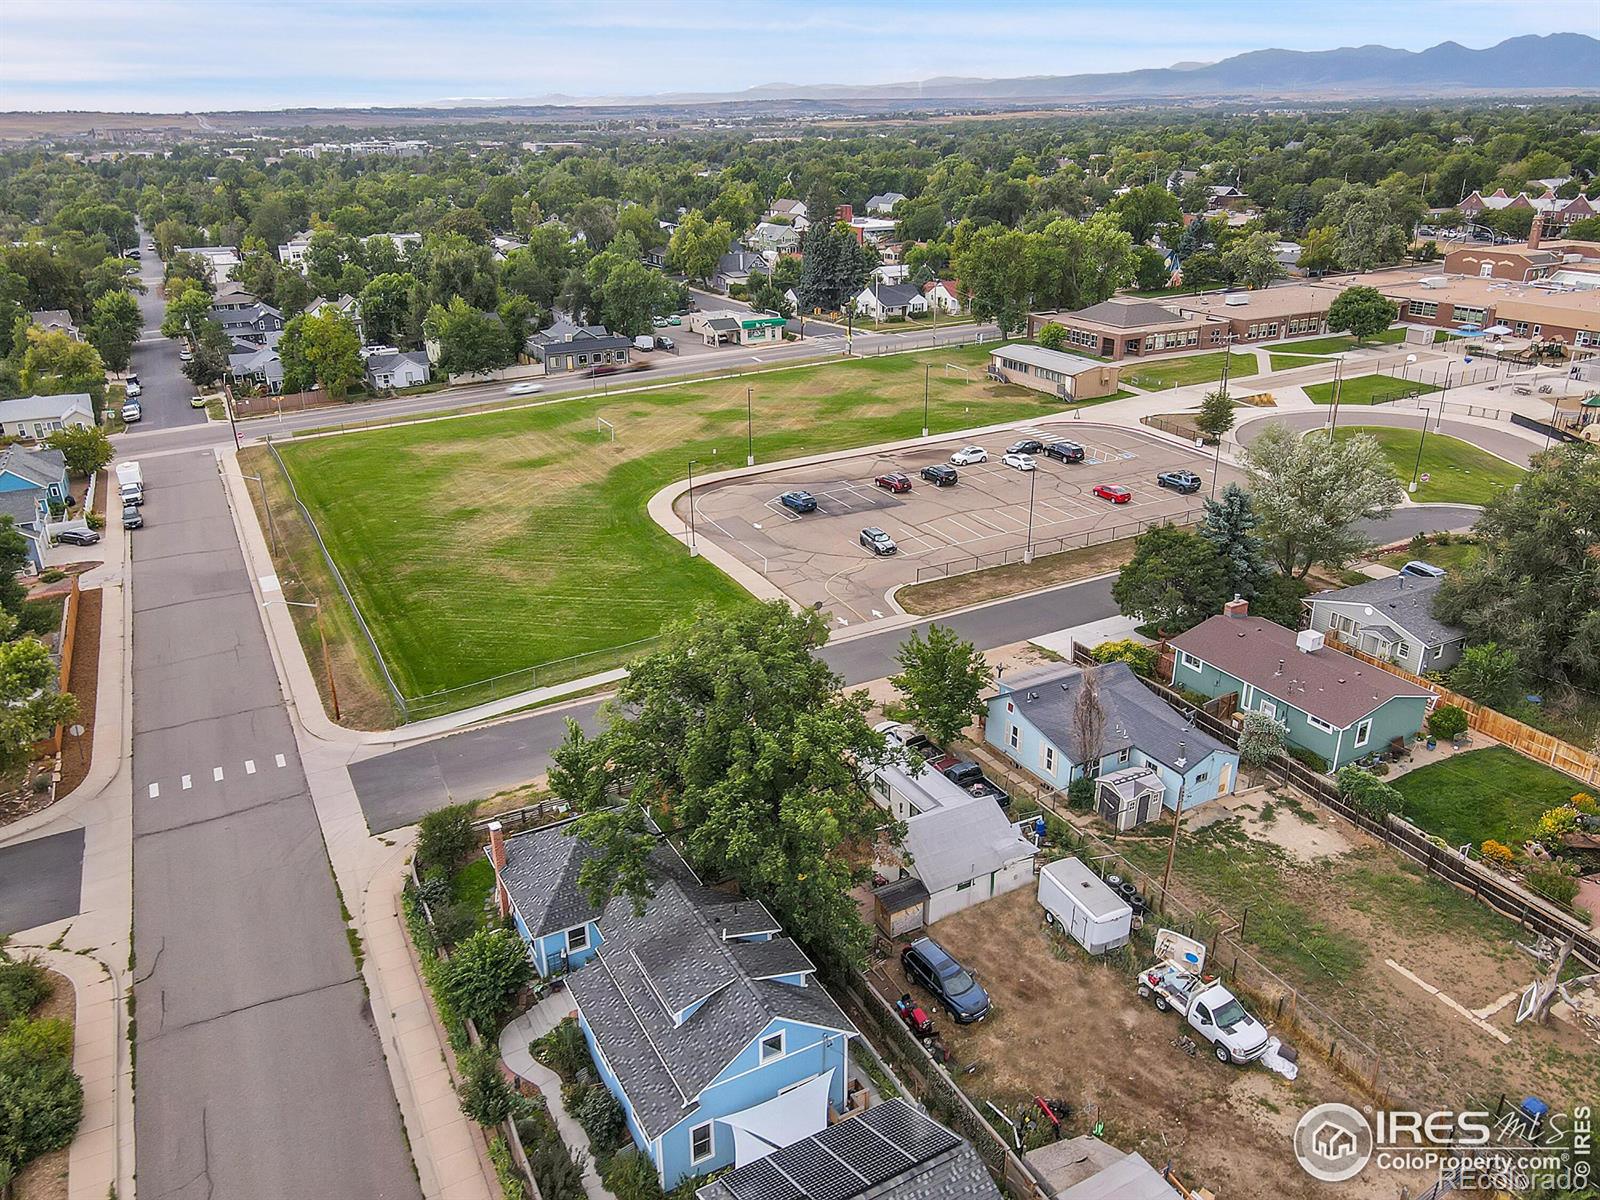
(1113, 493)
(894, 482)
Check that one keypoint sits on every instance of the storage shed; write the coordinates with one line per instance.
(1124, 799)
(1078, 900)
(898, 906)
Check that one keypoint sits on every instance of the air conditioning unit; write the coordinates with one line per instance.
(1433, 281)
(1308, 641)
(1236, 298)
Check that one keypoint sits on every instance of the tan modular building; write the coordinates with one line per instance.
(1068, 377)
(1123, 327)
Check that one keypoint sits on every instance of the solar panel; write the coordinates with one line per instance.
(760, 1181)
(868, 1153)
(819, 1174)
(909, 1130)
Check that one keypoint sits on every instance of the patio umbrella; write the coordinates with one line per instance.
(1498, 330)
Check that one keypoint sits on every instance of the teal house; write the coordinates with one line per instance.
(1333, 705)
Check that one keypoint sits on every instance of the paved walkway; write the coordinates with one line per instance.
(514, 1038)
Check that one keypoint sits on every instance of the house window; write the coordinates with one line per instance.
(1188, 660)
(772, 1047)
(1268, 707)
(1049, 756)
(577, 939)
(1122, 756)
(1202, 777)
(1015, 737)
(1402, 650)
(701, 1144)
(1318, 723)
(1364, 732)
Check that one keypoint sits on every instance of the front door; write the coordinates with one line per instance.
(1224, 777)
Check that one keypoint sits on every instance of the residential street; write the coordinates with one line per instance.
(155, 359)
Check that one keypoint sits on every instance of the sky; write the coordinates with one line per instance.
(205, 55)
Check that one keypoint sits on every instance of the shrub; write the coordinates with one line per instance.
(1555, 881)
(1585, 803)
(41, 1099)
(452, 922)
(1262, 739)
(1498, 854)
(1309, 758)
(564, 1050)
(482, 978)
(52, 576)
(1554, 825)
(446, 837)
(1052, 335)
(1367, 792)
(601, 1117)
(512, 1186)
(1417, 545)
(1448, 722)
(631, 1176)
(95, 521)
(1488, 674)
(485, 1095)
(557, 1171)
(1080, 792)
(23, 986)
(435, 890)
(1140, 657)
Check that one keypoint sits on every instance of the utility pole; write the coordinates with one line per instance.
(927, 368)
(1416, 470)
(693, 549)
(750, 428)
(272, 522)
(1177, 820)
(1338, 378)
(1033, 475)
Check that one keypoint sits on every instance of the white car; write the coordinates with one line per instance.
(1020, 462)
(134, 390)
(968, 455)
(185, 355)
(524, 389)
(131, 413)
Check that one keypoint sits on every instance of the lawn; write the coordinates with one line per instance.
(1455, 557)
(1159, 374)
(506, 540)
(1368, 389)
(1490, 793)
(1457, 472)
(1288, 362)
(1337, 343)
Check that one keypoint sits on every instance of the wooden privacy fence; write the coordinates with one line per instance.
(69, 643)
(1524, 739)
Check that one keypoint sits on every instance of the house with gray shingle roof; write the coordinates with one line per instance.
(55, 320)
(1391, 618)
(40, 416)
(397, 369)
(706, 1023)
(28, 470)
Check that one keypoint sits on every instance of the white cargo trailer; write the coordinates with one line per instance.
(1078, 900)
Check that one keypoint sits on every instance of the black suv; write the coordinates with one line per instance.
(1064, 451)
(939, 475)
(928, 965)
(1185, 482)
(1026, 446)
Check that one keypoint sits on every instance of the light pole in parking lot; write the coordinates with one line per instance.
(749, 428)
(927, 369)
(1027, 554)
(693, 549)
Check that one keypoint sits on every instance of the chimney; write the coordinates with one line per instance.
(497, 855)
(1536, 232)
(1237, 607)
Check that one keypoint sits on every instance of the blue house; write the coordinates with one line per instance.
(24, 470)
(1333, 705)
(1030, 720)
(30, 517)
(706, 1023)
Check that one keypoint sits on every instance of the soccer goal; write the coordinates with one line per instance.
(603, 426)
(954, 369)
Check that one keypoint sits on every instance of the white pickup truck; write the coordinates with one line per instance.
(1211, 1010)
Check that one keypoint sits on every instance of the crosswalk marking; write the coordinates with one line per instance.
(155, 790)
(187, 783)
(249, 766)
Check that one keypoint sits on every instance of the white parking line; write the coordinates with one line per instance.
(249, 766)
(187, 783)
(216, 774)
(155, 790)
(282, 762)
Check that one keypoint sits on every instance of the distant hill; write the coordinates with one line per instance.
(1554, 63)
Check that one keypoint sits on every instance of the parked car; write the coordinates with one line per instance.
(525, 389)
(1211, 1010)
(970, 778)
(1064, 451)
(929, 965)
(1020, 462)
(132, 414)
(1422, 570)
(645, 342)
(675, 319)
(939, 475)
(133, 377)
(1026, 446)
(134, 389)
(197, 401)
(968, 455)
(666, 343)
(1113, 493)
(894, 482)
(798, 502)
(1183, 482)
(659, 322)
(78, 537)
(878, 541)
(185, 355)
(130, 517)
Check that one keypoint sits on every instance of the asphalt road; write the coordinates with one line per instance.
(155, 359)
(40, 881)
(260, 1072)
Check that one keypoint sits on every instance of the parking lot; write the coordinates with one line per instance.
(817, 558)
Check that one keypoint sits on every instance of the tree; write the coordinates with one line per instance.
(1535, 589)
(1319, 251)
(1052, 335)
(1173, 581)
(942, 679)
(482, 978)
(54, 364)
(833, 269)
(1216, 414)
(1361, 312)
(210, 361)
(1488, 674)
(86, 448)
(1279, 598)
(1447, 722)
(386, 310)
(1229, 525)
(188, 304)
(1150, 268)
(30, 705)
(1371, 225)
(1585, 229)
(630, 295)
(538, 269)
(1313, 492)
(1144, 209)
(697, 245)
(1262, 739)
(744, 743)
(485, 1095)
(995, 266)
(1088, 728)
(1254, 260)
(114, 327)
(470, 341)
(445, 837)
(332, 348)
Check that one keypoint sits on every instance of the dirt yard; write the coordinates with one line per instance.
(1069, 1027)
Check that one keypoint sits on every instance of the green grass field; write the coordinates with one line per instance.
(1160, 374)
(1489, 793)
(506, 540)
(1458, 472)
(1368, 389)
(1455, 557)
(1287, 362)
(1335, 343)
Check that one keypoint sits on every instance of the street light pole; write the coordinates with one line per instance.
(927, 369)
(750, 428)
(322, 636)
(1033, 475)
(693, 549)
(272, 522)
(1338, 379)
(1416, 470)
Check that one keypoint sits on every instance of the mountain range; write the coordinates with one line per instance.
(1555, 63)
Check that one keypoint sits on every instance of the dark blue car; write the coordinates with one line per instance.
(800, 502)
(928, 965)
